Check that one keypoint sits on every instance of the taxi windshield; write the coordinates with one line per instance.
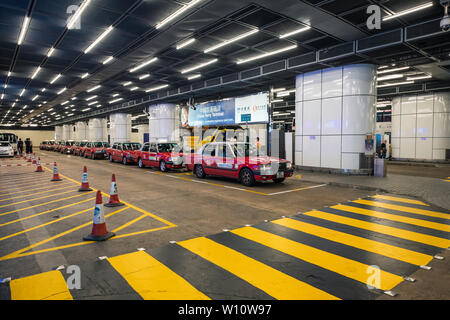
(166, 147)
(244, 150)
(131, 146)
(98, 144)
(82, 144)
(70, 143)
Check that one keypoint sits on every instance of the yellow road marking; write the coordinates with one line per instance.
(395, 232)
(34, 199)
(447, 180)
(35, 193)
(44, 224)
(264, 277)
(130, 223)
(43, 286)
(152, 280)
(394, 217)
(39, 188)
(42, 204)
(24, 185)
(44, 212)
(346, 267)
(358, 242)
(405, 209)
(18, 253)
(398, 199)
(25, 180)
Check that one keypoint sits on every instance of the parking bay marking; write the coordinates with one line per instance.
(236, 188)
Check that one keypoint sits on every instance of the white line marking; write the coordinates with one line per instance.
(306, 188)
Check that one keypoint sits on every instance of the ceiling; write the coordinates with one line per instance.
(330, 33)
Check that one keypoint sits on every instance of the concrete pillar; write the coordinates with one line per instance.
(58, 133)
(164, 123)
(97, 130)
(120, 127)
(421, 126)
(81, 132)
(335, 110)
(67, 132)
(142, 128)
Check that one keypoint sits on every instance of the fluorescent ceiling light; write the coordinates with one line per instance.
(278, 89)
(194, 77)
(77, 14)
(65, 102)
(418, 78)
(94, 88)
(115, 95)
(199, 66)
(100, 38)
(157, 88)
(9, 73)
(242, 36)
(144, 76)
(5, 86)
(22, 92)
(62, 90)
(73, 98)
(185, 44)
(134, 88)
(92, 97)
(177, 13)
(94, 102)
(390, 77)
(142, 65)
(392, 70)
(126, 84)
(115, 100)
(85, 75)
(87, 109)
(284, 35)
(35, 97)
(283, 94)
(3, 95)
(43, 89)
(55, 78)
(98, 106)
(394, 84)
(36, 72)
(277, 100)
(50, 52)
(25, 24)
(109, 59)
(402, 13)
(267, 54)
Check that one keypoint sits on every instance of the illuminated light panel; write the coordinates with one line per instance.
(157, 88)
(94, 88)
(144, 76)
(62, 90)
(418, 78)
(390, 77)
(291, 33)
(109, 59)
(227, 42)
(25, 24)
(199, 66)
(87, 109)
(126, 84)
(92, 97)
(90, 104)
(177, 13)
(115, 100)
(55, 78)
(77, 14)
(278, 89)
(185, 44)
(392, 70)
(50, 52)
(65, 102)
(267, 54)
(100, 38)
(142, 65)
(134, 88)
(35, 97)
(36, 72)
(394, 84)
(85, 75)
(22, 92)
(408, 11)
(194, 77)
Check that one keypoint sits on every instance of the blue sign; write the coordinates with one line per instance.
(246, 117)
(212, 113)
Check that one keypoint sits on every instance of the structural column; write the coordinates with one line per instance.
(120, 127)
(335, 110)
(97, 130)
(58, 133)
(81, 131)
(164, 123)
(67, 132)
(421, 126)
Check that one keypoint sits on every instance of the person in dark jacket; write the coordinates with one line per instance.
(20, 146)
(28, 145)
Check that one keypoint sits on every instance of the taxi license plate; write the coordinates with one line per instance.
(280, 174)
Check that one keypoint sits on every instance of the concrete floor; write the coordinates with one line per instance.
(161, 208)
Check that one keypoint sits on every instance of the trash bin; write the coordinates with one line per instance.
(380, 167)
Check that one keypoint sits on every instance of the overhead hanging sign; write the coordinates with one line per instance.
(212, 113)
(252, 109)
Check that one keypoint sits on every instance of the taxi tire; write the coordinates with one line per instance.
(124, 161)
(199, 171)
(246, 177)
(111, 158)
(141, 163)
(162, 166)
(93, 156)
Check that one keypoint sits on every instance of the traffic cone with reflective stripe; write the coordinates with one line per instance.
(113, 196)
(84, 181)
(39, 167)
(99, 231)
(55, 173)
(24, 156)
(29, 157)
(34, 158)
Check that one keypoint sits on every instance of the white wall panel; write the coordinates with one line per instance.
(311, 158)
(407, 147)
(396, 106)
(353, 143)
(396, 125)
(298, 143)
(442, 102)
(299, 118)
(441, 125)
(409, 104)
(350, 161)
(332, 83)
(359, 79)
(424, 148)
(358, 114)
(312, 117)
(425, 125)
(331, 152)
(312, 85)
(331, 116)
(408, 126)
(425, 103)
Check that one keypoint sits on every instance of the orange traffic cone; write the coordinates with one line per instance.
(99, 231)
(39, 167)
(113, 196)
(55, 173)
(34, 158)
(84, 181)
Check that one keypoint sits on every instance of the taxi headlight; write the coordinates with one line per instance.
(288, 165)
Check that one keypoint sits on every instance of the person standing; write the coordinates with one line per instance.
(383, 149)
(20, 147)
(27, 145)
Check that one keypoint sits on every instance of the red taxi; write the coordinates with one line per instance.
(163, 155)
(124, 152)
(58, 146)
(67, 148)
(238, 160)
(50, 145)
(79, 148)
(96, 150)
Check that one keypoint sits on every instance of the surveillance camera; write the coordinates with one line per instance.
(445, 22)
